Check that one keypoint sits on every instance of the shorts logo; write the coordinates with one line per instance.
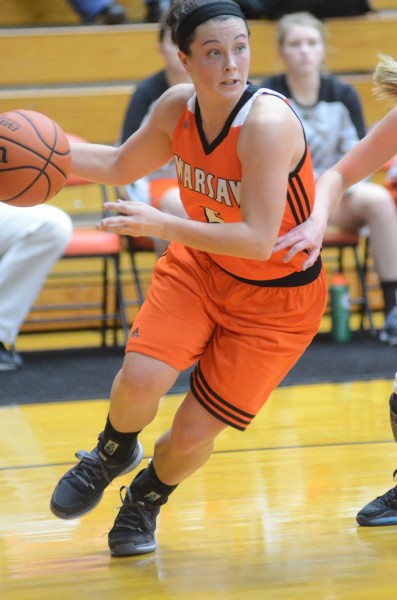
(111, 447)
(135, 333)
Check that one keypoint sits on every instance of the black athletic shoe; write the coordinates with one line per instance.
(134, 527)
(381, 511)
(82, 487)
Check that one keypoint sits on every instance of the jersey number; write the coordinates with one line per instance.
(212, 216)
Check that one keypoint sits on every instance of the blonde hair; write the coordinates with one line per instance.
(299, 18)
(385, 78)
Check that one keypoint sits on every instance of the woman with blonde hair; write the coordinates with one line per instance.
(367, 156)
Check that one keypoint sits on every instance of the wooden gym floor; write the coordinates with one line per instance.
(271, 516)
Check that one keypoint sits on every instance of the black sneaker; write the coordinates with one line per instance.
(134, 527)
(82, 487)
(9, 359)
(382, 510)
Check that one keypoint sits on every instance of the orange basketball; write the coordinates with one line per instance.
(35, 158)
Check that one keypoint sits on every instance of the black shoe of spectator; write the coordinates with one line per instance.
(9, 359)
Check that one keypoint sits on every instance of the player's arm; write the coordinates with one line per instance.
(269, 147)
(369, 155)
(145, 151)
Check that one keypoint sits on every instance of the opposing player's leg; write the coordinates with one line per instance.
(383, 510)
(118, 450)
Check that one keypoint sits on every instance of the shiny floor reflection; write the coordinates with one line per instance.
(272, 515)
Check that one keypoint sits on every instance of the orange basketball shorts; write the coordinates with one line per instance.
(244, 338)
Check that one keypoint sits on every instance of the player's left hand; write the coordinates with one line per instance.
(306, 236)
(134, 218)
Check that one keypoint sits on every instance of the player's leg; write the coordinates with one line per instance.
(163, 342)
(134, 399)
(243, 362)
(178, 453)
(383, 510)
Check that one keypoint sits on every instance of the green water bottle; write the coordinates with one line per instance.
(340, 309)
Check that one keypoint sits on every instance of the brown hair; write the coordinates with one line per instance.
(179, 10)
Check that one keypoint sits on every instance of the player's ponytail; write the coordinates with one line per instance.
(385, 78)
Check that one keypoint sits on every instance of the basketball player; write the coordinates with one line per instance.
(220, 296)
(362, 160)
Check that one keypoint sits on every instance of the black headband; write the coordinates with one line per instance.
(204, 13)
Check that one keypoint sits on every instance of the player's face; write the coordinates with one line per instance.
(219, 57)
(303, 50)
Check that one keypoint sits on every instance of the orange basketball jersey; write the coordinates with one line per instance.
(209, 177)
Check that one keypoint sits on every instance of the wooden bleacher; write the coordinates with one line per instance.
(384, 4)
(31, 13)
(83, 76)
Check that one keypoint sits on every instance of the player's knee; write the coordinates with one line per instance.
(136, 384)
(137, 380)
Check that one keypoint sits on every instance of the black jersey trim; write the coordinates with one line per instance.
(216, 405)
(298, 201)
(296, 279)
(208, 148)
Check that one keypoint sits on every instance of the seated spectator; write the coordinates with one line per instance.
(31, 241)
(333, 119)
(160, 189)
(105, 11)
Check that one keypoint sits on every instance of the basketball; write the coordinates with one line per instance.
(35, 158)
